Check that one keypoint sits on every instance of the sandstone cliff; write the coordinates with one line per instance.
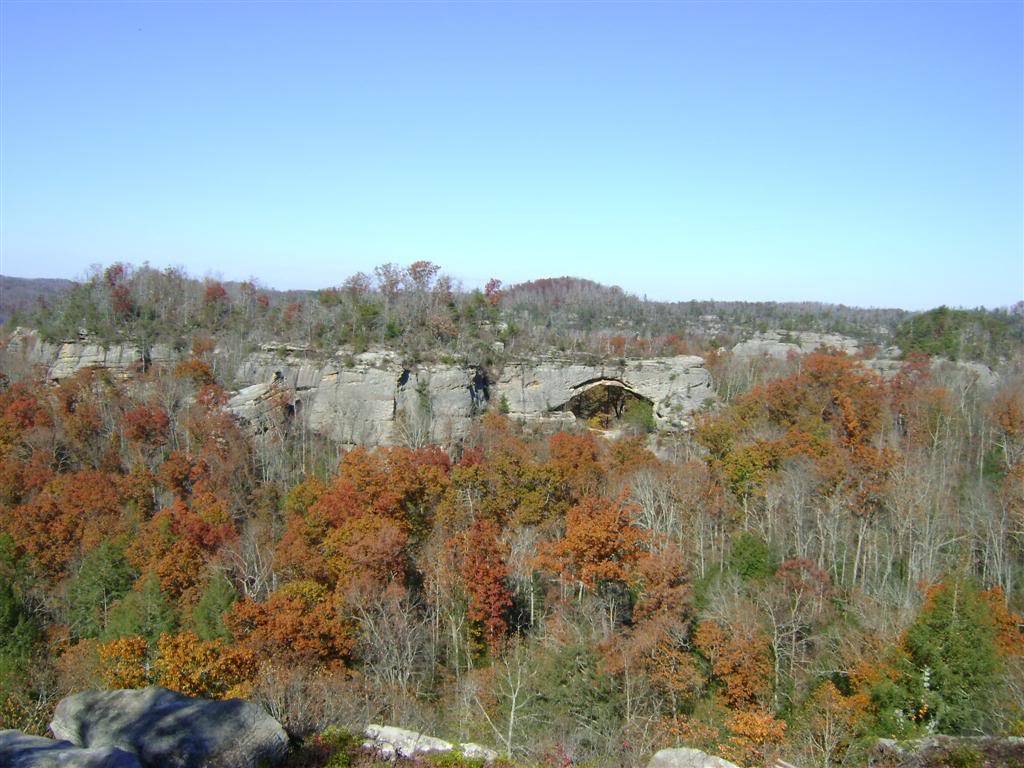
(373, 398)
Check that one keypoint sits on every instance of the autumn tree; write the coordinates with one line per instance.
(296, 625)
(601, 543)
(486, 576)
(740, 660)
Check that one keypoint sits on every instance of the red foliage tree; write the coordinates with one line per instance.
(486, 578)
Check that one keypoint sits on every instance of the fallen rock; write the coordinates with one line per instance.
(477, 752)
(389, 742)
(19, 750)
(167, 729)
(685, 757)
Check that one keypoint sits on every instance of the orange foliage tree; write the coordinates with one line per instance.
(296, 625)
(601, 543)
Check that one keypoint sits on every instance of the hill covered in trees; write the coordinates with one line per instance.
(24, 295)
(426, 315)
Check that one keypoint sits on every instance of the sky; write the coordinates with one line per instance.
(866, 153)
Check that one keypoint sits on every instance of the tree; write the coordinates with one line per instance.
(576, 461)
(205, 668)
(751, 557)
(103, 578)
(486, 577)
(18, 636)
(511, 684)
(144, 612)
(740, 660)
(831, 721)
(601, 543)
(295, 626)
(955, 661)
(73, 513)
(208, 614)
(753, 737)
(125, 662)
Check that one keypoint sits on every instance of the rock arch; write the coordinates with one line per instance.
(603, 398)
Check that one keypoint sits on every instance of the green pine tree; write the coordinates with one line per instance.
(103, 578)
(18, 636)
(208, 615)
(144, 611)
(951, 647)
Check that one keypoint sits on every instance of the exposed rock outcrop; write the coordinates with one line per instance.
(390, 742)
(166, 729)
(372, 398)
(948, 751)
(64, 359)
(675, 387)
(780, 344)
(685, 757)
(364, 399)
(887, 362)
(19, 750)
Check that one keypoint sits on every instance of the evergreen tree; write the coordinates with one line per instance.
(103, 578)
(952, 649)
(18, 635)
(208, 614)
(144, 611)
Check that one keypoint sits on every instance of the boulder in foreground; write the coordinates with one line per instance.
(19, 750)
(167, 729)
(389, 742)
(685, 757)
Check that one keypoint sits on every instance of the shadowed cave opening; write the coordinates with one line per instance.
(607, 404)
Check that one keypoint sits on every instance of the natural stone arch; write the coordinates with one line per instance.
(603, 398)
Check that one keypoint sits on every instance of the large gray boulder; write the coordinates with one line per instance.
(19, 750)
(685, 757)
(166, 729)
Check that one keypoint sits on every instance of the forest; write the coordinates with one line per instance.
(428, 315)
(829, 557)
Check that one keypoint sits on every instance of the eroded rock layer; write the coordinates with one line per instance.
(372, 398)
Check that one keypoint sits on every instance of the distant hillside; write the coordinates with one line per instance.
(584, 305)
(426, 315)
(25, 293)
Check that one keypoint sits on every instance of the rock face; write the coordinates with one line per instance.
(779, 344)
(684, 757)
(373, 399)
(364, 399)
(163, 728)
(675, 386)
(389, 742)
(65, 359)
(886, 362)
(18, 750)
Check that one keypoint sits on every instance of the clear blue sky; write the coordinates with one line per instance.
(865, 153)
